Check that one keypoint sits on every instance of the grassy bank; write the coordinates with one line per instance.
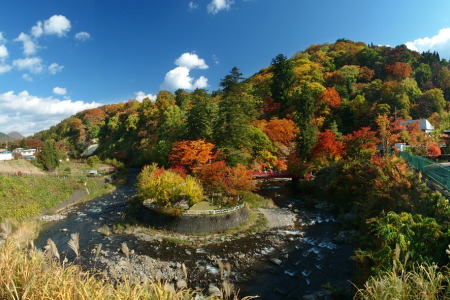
(25, 197)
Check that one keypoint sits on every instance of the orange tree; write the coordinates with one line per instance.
(217, 177)
(327, 149)
(191, 154)
(361, 143)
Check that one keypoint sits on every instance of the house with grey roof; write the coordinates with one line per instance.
(424, 125)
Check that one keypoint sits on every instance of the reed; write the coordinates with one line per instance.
(74, 243)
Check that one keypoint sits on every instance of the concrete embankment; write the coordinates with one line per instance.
(193, 223)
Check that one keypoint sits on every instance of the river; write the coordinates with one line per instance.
(280, 263)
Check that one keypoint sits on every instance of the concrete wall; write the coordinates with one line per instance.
(193, 224)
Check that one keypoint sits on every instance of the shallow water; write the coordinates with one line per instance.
(285, 263)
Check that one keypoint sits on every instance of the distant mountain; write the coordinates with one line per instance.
(4, 137)
(15, 135)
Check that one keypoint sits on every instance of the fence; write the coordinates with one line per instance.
(435, 171)
(22, 174)
(213, 211)
(201, 212)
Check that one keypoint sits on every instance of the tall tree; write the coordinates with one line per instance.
(231, 79)
(236, 110)
(201, 117)
(282, 80)
(48, 156)
(304, 116)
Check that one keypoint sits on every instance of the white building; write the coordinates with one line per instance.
(25, 152)
(6, 155)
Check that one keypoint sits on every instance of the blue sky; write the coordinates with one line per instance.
(58, 57)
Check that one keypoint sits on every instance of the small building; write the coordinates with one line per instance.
(25, 152)
(424, 125)
(6, 155)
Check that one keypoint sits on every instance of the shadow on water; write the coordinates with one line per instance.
(285, 263)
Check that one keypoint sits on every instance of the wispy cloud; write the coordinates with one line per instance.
(82, 36)
(5, 68)
(439, 42)
(179, 77)
(3, 52)
(30, 64)
(59, 91)
(29, 46)
(55, 68)
(216, 6)
(192, 5)
(28, 114)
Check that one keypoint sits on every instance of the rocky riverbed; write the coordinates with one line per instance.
(292, 258)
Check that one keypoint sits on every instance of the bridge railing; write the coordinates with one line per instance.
(435, 171)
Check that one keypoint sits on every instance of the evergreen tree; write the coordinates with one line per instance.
(304, 116)
(201, 117)
(231, 79)
(48, 156)
(282, 81)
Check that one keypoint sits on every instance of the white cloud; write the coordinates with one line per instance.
(141, 96)
(55, 68)
(27, 77)
(201, 83)
(82, 36)
(28, 114)
(179, 78)
(59, 90)
(193, 5)
(57, 25)
(5, 68)
(37, 30)
(2, 39)
(191, 61)
(29, 46)
(439, 43)
(217, 5)
(3, 52)
(32, 64)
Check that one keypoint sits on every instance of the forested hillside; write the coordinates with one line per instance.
(315, 107)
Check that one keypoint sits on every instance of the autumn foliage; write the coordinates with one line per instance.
(331, 97)
(191, 154)
(217, 177)
(282, 131)
(328, 149)
(361, 143)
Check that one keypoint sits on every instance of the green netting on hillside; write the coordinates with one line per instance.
(429, 168)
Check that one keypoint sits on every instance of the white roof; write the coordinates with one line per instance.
(423, 124)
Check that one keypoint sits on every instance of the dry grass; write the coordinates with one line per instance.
(425, 282)
(30, 274)
(27, 273)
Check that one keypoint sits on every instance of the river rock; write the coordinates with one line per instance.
(52, 218)
(276, 261)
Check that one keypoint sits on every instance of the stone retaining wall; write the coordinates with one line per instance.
(193, 223)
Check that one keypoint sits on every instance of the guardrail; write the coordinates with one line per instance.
(213, 211)
(202, 212)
